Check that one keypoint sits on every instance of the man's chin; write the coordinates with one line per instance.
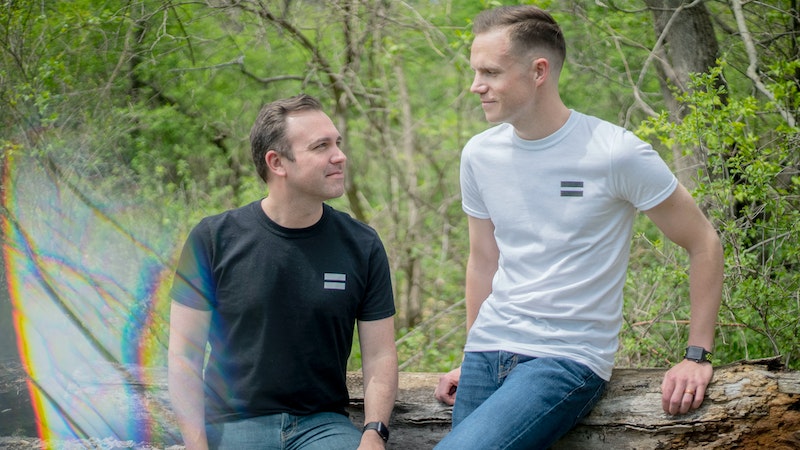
(491, 117)
(335, 193)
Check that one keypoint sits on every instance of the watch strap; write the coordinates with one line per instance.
(380, 427)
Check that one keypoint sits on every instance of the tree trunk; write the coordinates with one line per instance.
(688, 45)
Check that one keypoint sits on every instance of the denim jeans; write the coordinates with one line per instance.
(510, 401)
(322, 431)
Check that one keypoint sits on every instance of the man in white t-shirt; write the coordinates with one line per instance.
(551, 195)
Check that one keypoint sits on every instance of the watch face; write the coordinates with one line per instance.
(697, 354)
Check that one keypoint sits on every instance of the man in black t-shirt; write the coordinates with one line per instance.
(275, 288)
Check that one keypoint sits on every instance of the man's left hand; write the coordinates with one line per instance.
(684, 386)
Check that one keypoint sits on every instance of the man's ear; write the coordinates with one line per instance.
(274, 162)
(540, 68)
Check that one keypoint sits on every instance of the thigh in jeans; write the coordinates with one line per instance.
(262, 432)
(324, 431)
(540, 400)
(321, 431)
(479, 380)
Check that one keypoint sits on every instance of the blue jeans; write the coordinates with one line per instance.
(510, 401)
(321, 431)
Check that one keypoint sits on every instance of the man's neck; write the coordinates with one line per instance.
(544, 121)
(291, 214)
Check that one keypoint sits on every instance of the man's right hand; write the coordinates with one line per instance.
(448, 383)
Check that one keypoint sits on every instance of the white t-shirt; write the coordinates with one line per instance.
(563, 210)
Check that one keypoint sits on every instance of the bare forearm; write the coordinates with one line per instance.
(380, 388)
(380, 392)
(482, 264)
(705, 291)
(379, 359)
(478, 288)
(685, 224)
(186, 394)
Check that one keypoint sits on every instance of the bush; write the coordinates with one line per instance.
(750, 189)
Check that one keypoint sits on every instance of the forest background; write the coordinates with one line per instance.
(141, 111)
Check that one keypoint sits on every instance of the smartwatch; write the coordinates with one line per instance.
(697, 354)
(380, 427)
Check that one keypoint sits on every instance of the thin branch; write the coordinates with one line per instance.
(752, 56)
(648, 323)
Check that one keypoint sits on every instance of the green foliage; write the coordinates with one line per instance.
(155, 100)
(750, 189)
(656, 309)
(607, 47)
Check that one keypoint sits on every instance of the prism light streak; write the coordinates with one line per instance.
(85, 293)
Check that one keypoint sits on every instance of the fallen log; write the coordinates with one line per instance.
(749, 404)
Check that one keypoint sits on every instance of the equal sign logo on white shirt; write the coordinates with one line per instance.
(572, 188)
(335, 281)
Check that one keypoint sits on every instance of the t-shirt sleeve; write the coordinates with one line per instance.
(193, 284)
(379, 299)
(640, 174)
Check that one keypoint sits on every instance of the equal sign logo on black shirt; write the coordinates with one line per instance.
(572, 188)
(335, 281)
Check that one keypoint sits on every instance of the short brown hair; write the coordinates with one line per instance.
(269, 130)
(529, 28)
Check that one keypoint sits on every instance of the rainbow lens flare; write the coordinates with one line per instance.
(88, 298)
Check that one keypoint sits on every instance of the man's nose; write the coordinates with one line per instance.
(339, 156)
(478, 86)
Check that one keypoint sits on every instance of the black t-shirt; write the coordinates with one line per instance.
(284, 304)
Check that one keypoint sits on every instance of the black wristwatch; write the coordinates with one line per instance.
(380, 427)
(697, 354)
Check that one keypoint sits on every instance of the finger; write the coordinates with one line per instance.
(451, 399)
(445, 391)
(675, 402)
(680, 399)
(447, 399)
(439, 394)
(699, 396)
(667, 388)
(687, 400)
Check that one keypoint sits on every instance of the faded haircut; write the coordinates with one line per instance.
(529, 28)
